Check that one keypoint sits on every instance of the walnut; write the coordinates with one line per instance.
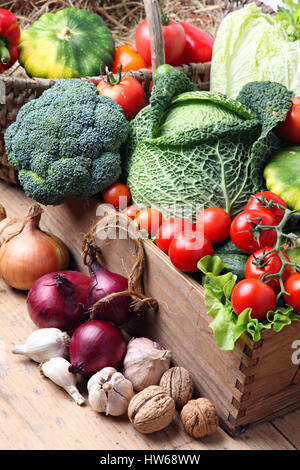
(177, 382)
(199, 417)
(151, 410)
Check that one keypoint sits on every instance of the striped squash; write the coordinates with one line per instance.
(67, 44)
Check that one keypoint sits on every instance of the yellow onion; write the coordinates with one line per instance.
(2, 212)
(30, 254)
(9, 227)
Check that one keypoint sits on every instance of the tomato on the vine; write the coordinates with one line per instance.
(117, 194)
(149, 220)
(243, 222)
(292, 287)
(127, 57)
(215, 223)
(289, 129)
(187, 248)
(168, 229)
(131, 211)
(254, 203)
(126, 91)
(255, 294)
(273, 265)
(174, 40)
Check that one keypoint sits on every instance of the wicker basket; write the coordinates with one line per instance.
(16, 91)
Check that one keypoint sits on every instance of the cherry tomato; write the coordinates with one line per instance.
(292, 286)
(215, 223)
(273, 266)
(174, 40)
(187, 248)
(129, 58)
(245, 240)
(131, 211)
(277, 213)
(170, 228)
(289, 130)
(117, 194)
(198, 46)
(254, 294)
(149, 220)
(127, 92)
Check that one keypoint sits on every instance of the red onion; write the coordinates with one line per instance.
(103, 283)
(94, 345)
(58, 300)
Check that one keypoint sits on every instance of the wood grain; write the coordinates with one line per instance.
(36, 414)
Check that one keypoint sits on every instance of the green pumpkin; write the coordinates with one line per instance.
(67, 44)
(282, 175)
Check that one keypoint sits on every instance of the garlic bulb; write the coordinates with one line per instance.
(43, 344)
(57, 370)
(145, 362)
(109, 392)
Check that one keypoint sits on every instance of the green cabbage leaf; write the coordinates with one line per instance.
(253, 46)
(208, 150)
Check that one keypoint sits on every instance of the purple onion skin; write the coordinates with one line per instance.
(94, 345)
(58, 300)
(103, 283)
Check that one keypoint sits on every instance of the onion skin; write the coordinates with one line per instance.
(30, 254)
(58, 300)
(103, 283)
(94, 345)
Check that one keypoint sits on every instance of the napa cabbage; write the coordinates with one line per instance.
(253, 46)
(207, 150)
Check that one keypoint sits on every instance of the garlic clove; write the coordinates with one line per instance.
(57, 370)
(111, 396)
(116, 404)
(98, 400)
(100, 377)
(145, 362)
(44, 344)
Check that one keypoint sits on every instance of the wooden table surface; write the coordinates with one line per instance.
(35, 414)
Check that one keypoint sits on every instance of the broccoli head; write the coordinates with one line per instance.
(66, 142)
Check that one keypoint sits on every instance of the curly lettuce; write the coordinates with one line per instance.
(226, 325)
(253, 46)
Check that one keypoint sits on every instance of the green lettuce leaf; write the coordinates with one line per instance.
(253, 46)
(226, 325)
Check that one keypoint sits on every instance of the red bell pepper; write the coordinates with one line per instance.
(198, 46)
(9, 39)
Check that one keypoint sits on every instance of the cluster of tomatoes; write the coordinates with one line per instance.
(186, 244)
(184, 43)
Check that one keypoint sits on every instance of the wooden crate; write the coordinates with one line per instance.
(255, 382)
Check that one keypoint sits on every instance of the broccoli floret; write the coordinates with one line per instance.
(66, 142)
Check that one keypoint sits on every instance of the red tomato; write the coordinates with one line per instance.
(187, 248)
(198, 46)
(215, 223)
(277, 213)
(117, 194)
(292, 286)
(273, 266)
(169, 229)
(131, 211)
(245, 240)
(174, 39)
(289, 130)
(128, 57)
(128, 93)
(149, 220)
(254, 294)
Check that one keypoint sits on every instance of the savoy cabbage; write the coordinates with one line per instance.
(209, 149)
